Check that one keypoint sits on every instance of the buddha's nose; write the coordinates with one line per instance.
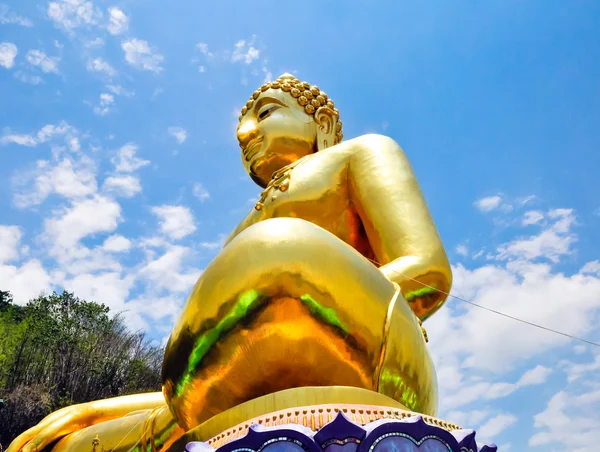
(246, 131)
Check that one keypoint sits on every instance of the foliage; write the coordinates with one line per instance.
(58, 350)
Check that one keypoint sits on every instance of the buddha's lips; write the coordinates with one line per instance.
(252, 148)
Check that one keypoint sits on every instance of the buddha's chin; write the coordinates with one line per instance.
(263, 167)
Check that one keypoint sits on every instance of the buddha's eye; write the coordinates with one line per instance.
(267, 111)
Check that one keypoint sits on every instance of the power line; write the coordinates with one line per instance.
(526, 322)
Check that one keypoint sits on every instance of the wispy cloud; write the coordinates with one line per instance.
(119, 90)
(8, 52)
(10, 236)
(126, 160)
(71, 14)
(104, 104)
(139, 54)
(200, 192)
(10, 17)
(175, 221)
(28, 78)
(118, 21)
(462, 250)
(125, 186)
(489, 203)
(179, 133)
(102, 66)
(23, 140)
(45, 63)
(532, 217)
(245, 52)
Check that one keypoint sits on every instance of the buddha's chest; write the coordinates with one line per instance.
(317, 191)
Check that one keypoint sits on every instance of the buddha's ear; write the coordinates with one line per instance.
(326, 120)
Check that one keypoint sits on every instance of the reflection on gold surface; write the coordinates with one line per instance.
(304, 292)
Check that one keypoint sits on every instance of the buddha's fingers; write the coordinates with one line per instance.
(53, 427)
(18, 444)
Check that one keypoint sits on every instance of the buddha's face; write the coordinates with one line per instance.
(275, 132)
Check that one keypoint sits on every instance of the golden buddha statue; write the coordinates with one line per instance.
(307, 301)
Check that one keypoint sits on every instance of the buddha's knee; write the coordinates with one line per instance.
(281, 248)
(275, 235)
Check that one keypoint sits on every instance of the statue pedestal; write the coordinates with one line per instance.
(395, 431)
(326, 419)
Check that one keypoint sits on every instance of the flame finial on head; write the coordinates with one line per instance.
(308, 96)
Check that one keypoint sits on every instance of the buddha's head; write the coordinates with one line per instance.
(282, 122)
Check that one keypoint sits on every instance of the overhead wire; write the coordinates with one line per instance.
(494, 311)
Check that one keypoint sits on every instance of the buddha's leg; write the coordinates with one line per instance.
(76, 417)
(286, 304)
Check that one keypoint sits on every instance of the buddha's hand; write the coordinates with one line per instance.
(51, 428)
(77, 417)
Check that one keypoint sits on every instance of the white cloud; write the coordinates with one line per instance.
(175, 221)
(245, 52)
(119, 22)
(494, 426)
(45, 134)
(9, 17)
(23, 140)
(93, 43)
(119, 90)
(116, 244)
(81, 219)
(139, 54)
(71, 14)
(110, 288)
(532, 217)
(26, 281)
(68, 177)
(165, 272)
(101, 65)
(126, 161)
(125, 186)
(462, 250)
(200, 192)
(8, 52)
(27, 78)
(470, 344)
(179, 133)
(268, 75)
(535, 376)
(49, 131)
(575, 371)
(10, 237)
(488, 204)
(103, 107)
(165, 308)
(44, 62)
(459, 391)
(203, 47)
(551, 243)
(570, 420)
(591, 268)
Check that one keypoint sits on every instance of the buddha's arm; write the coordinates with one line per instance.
(77, 417)
(398, 224)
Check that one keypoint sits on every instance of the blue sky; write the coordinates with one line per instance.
(121, 175)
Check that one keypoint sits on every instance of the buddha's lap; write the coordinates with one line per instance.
(290, 296)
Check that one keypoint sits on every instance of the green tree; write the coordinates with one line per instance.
(59, 350)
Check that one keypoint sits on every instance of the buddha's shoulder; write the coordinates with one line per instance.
(369, 145)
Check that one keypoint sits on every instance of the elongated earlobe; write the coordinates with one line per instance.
(326, 120)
